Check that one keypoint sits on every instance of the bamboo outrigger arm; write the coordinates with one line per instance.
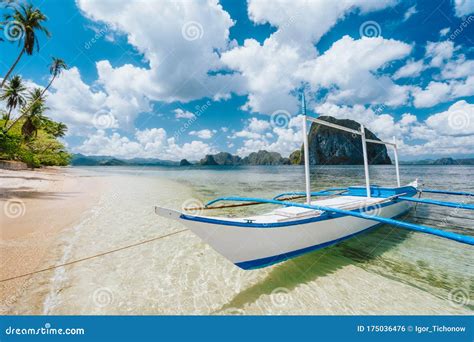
(341, 191)
(446, 192)
(440, 203)
(400, 224)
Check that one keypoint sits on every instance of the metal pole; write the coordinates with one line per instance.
(396, 160)
(306, 151)
(366, 161)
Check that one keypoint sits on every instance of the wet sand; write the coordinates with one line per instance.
(35, 206)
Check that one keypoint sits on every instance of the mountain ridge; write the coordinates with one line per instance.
(328, 146)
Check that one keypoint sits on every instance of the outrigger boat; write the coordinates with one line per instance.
(327, 217)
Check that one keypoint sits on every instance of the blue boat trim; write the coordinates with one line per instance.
(382, 192)
(268, 261)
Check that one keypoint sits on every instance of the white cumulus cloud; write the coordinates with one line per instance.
(463, 7)
(203, 134)
(148, 143)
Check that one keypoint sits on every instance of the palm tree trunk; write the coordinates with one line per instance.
(14, 122)
(8, 117)
(12, 67)
(49, 85)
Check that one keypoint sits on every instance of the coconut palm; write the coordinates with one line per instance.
(60, 130)
(56, 67)
(56, 129)
(13, 94)
(30, 20)
(33, 114)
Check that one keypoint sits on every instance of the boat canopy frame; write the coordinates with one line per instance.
(388, 194)
(360, 132)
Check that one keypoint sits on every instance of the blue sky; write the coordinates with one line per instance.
(180, 79)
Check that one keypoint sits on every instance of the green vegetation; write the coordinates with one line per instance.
(27, 134)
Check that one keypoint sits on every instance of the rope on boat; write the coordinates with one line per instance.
(420, 193)
(93, 256)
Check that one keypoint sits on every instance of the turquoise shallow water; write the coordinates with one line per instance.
(440, 267)
(384, 271)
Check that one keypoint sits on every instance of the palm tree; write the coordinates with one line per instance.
(60, 130)
(34, 114)
(56, 129)
(13, 95)
(56, 67)
(30, 20)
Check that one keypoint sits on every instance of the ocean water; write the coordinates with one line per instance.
(384, 271)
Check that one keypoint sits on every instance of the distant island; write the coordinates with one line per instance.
(327, 147)
(82, 160)
(222, 158)
(441, 161)
(261, 157)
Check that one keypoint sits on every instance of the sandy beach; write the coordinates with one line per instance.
(36, 207)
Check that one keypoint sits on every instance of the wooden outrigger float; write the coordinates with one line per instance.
(333, 215)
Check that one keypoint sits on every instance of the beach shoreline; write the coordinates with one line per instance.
(36, 206)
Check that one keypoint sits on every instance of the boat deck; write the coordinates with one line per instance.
(285, 214)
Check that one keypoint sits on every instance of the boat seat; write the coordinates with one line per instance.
(290, 213)
(284, 214)
(342, 202)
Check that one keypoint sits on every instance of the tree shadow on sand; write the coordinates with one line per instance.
(320, 263)
(24, 192)
(27, 178)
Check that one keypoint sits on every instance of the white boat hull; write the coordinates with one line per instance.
(250, 247)
(261, 243)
